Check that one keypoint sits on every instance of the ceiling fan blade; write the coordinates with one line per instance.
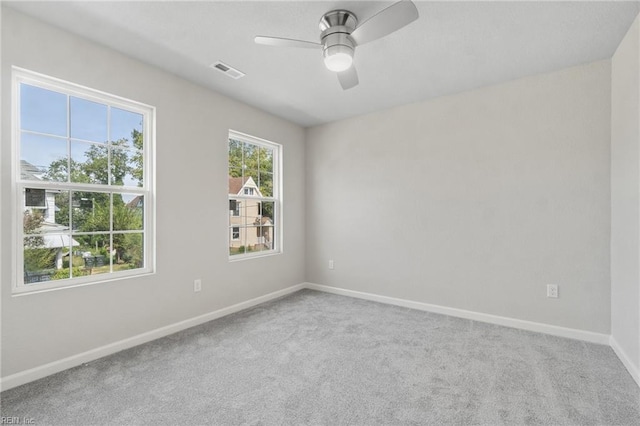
(286, 42)
(386, 21)
(348, 78)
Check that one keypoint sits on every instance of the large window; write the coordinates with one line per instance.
(83, 184)
(254, 196)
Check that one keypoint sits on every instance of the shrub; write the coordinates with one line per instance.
(63, 273)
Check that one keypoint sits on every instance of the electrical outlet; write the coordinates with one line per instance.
(330, 263)
(197, 285)
(552, 291)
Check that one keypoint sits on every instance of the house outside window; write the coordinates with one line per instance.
(254, 191)
(83, 184)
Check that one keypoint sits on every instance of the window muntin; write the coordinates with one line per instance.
(254, 200)
(83, 169)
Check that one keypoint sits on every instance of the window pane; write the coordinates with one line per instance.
(43, 111)
(43, 158)
(90, 211)
(88, 120)
(126, 128)
(39, 261)
(266, 160)
(95, 253)
(235, 182)
(236, 240)
(50, 216)
(128, 251)
(46, 257)
(78, 265)
(250, 166)
(268, 237)
(126, 167)
(128, 212)
(266, 184)
(252, 238)
(268, 213)
(89, 163)
(252, 212)
(235, 157)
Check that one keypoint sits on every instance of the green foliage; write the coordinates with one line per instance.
(246, 160)
(137, 158)
(63, 273)
(36, 257)
(94, 211)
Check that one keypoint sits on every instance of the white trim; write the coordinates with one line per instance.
(554, 330)
(626, 361)
(93, 354)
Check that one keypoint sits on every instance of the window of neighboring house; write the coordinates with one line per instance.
(234, 207)
(82, 177)
(254, 184)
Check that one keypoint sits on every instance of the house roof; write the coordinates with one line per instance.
(236, 184)
(29, 172)
(58, 241)
(136, 202)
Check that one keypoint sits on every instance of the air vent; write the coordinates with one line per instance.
(227, 70)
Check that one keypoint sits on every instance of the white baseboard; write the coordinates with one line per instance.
(554, 330)
(91, 355)
(75, 360)
(634, 370)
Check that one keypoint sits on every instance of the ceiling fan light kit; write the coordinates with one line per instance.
(340, 34)
(337, 45)
(338, 58)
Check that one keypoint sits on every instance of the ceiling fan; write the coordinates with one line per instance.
(340, 34)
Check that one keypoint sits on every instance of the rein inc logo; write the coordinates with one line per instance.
(17, 420)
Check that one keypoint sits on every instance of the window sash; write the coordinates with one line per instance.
(275, 199)
(147, 231)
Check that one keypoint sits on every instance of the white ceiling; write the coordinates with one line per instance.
(453, 46)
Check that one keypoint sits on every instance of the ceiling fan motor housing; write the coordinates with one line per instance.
(336, 27)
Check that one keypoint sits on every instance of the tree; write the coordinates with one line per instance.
(36, 256)
(93, 211)
(137, 158)
(246, 160)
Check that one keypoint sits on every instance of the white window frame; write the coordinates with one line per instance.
(20, 75)
(276, 198)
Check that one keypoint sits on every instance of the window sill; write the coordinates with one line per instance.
(241, 257)
(29, 289)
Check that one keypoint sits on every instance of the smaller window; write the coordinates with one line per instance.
(254, 180)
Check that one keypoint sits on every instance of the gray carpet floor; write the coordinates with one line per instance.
(321, 359)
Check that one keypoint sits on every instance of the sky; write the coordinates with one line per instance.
(47, 123)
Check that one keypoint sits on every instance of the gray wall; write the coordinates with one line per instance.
(191, 152)
(473, 201)
(625, 195)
